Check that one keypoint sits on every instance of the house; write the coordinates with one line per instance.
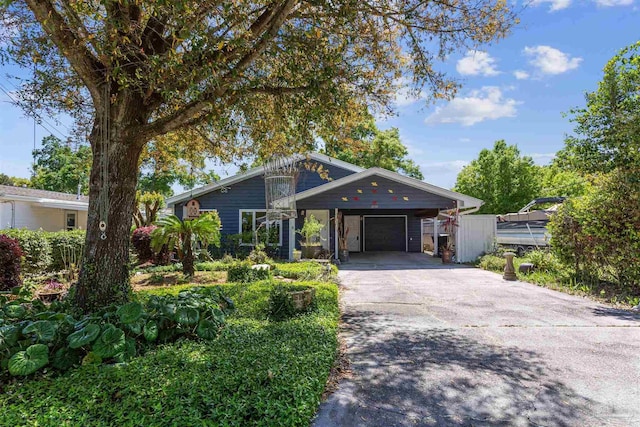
(383, 210)
(22, 207)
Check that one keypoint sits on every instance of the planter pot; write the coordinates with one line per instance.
(302, 299)
(49, 297)
(310, 252)
(297, 255)
(447, 256)
(343, 255)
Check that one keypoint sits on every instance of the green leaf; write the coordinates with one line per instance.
(65, 359)
(136, 328)
(130, 313)
(84, 336)
(44, 330)
(151, 331)
(207, 329)
(129, 351)
(28, 361)
(15, 311)
(187, 316)
(9, 336)
(111, 342)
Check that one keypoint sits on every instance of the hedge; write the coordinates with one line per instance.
(46, 250)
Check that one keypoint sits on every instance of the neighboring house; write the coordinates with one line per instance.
(383, 210)
(22, 207)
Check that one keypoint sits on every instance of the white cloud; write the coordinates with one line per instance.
(484, 104)
(442, 174)
(542, 158)
(549, 60)
(465, 139)
(521, 74)
(555, 4)
(476, 63)
(610, 3)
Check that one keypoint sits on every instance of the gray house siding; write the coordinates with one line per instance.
(250, 194)
(376, 197)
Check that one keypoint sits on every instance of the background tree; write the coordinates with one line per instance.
(14, 181)
(243, 77)
(367, 147)
(559, 181)
(185, 237)
(60, 167)
(148, 206)
(608, 128)
(501, 177)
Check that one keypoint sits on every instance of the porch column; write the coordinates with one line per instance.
(335, 226)
(435, 236)
(292, 237)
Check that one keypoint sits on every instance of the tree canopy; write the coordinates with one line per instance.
(367, 147)
(60, 167)
(608, 127)
(231, 78)
(501, 177)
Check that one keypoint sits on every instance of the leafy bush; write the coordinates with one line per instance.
(66, 248)
(598, 234)
(35, 247)
(306, 271)
(212, 266)
(492, 263)
(259, 256)
(242, 272)
(141, 241)
(544, 261)
(10, 258)
(33, 335)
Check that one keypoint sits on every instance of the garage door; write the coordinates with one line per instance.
(385, 234)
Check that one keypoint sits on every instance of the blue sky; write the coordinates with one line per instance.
(516, 89)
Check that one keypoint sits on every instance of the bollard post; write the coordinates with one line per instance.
(509, 269)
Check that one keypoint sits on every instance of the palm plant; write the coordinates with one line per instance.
(184, 236)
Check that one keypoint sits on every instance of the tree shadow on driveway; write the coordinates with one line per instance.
(617, 313)
(409, 375)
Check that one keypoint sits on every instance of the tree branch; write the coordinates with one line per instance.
(73, 48)
(193, 111)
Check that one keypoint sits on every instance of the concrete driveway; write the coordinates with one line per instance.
(435, 345)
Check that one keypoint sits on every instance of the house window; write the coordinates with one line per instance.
(70, 221)
(252, 221)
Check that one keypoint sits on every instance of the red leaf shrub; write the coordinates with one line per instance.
(141, 241)
(10, 258)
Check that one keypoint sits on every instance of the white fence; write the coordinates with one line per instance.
(475, 235)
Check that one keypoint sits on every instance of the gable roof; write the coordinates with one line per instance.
(45, 198)
(462, 199)
(257, 171)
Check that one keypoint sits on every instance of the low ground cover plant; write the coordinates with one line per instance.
(256, 373)
(34, 336)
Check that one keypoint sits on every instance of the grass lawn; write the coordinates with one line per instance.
(257, 372)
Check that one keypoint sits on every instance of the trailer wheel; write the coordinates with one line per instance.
(520, 251)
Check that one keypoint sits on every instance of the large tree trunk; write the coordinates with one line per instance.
(188, 262)
(104, 275)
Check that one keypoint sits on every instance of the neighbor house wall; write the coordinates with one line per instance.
(34, 217)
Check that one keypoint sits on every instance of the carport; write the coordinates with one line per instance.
(382, 210)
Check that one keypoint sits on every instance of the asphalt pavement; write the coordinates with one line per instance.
(441, 345)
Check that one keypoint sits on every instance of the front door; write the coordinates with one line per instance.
(352, 223)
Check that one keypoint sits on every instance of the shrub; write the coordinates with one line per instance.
(33, 335)
(35, 247)
(259, 256)
(306, 271)
(66, 248)
(598, 234)
(10, 259)
(141, 241)
(544, 261)
(242, 272)
(492, 263)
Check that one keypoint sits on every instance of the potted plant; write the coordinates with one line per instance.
(51, 292)
(297, 255)
(310, 232)
(343, 251)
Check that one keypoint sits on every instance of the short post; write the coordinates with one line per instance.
(509, 269)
